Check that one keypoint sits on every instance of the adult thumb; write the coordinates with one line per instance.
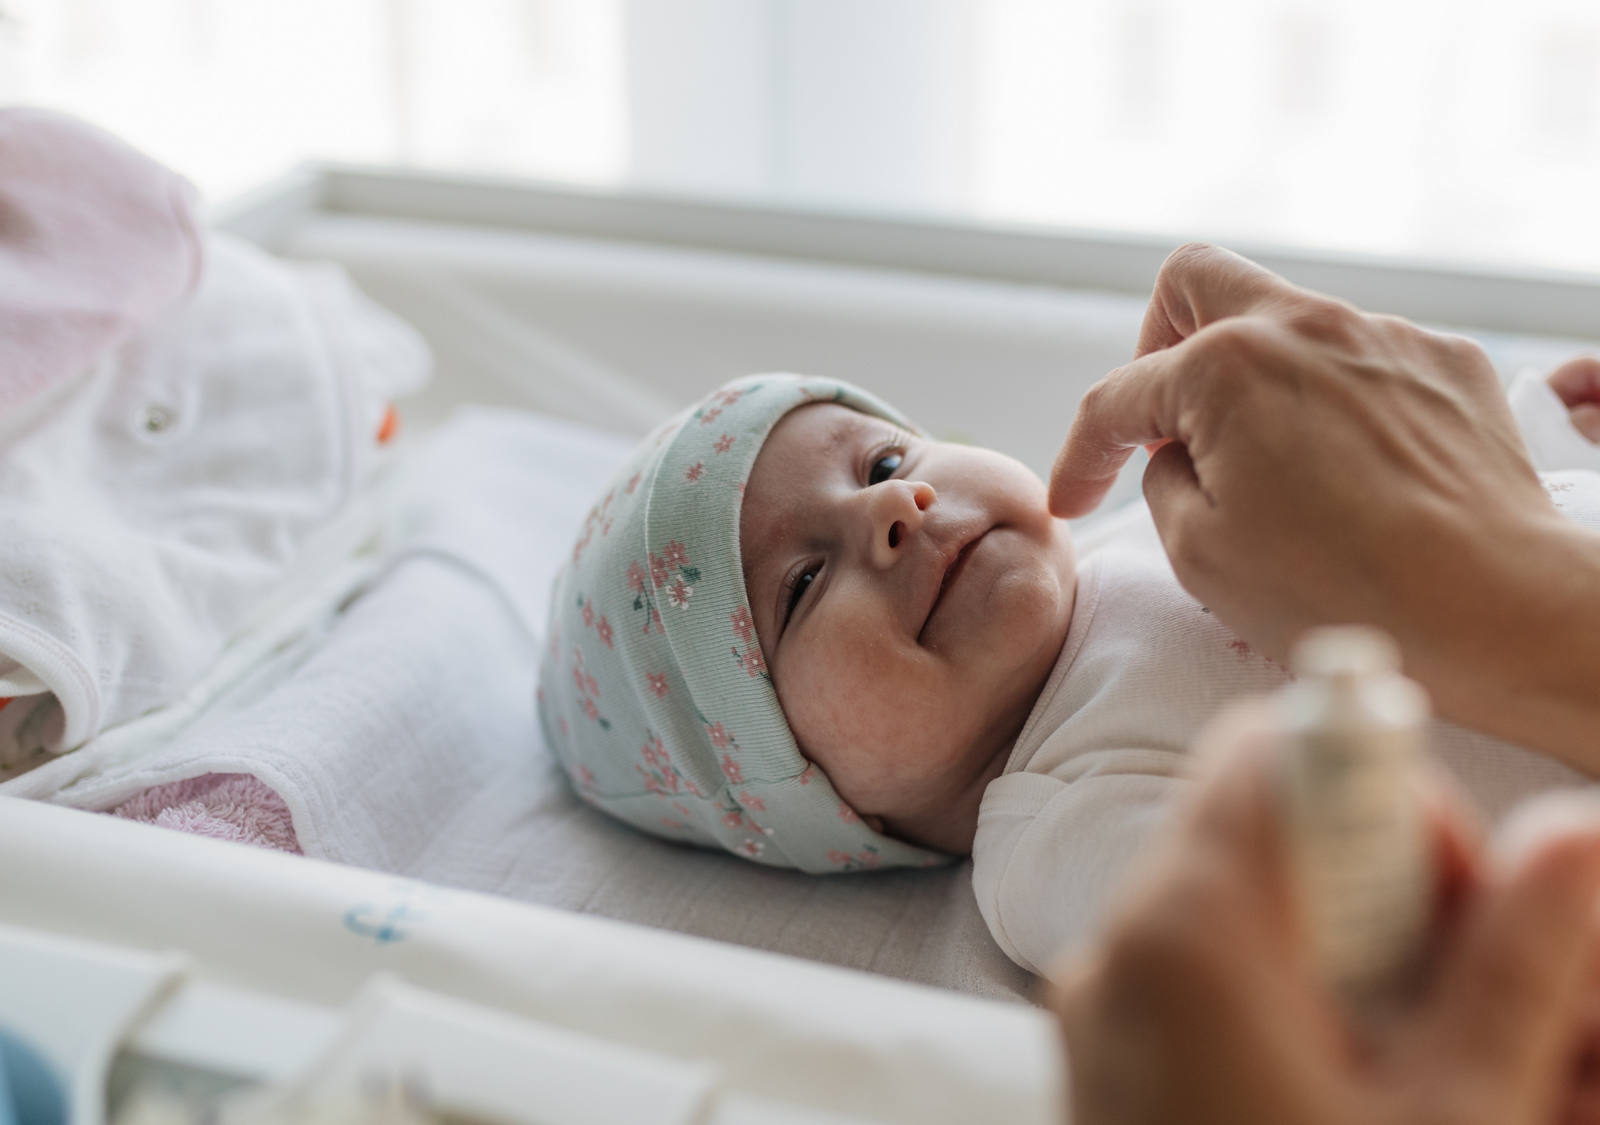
(1178, 503)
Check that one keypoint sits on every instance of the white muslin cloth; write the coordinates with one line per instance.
(1101, 759)
(156, 503)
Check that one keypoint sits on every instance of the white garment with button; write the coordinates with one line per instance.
(1101, 758)
(151, 505)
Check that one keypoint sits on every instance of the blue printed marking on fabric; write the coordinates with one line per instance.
(369, 921)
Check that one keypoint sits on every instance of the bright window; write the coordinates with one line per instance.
(1464, 130)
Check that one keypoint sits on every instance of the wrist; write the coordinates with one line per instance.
(1517, 652)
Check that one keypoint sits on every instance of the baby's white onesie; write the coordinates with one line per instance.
(1100, 759)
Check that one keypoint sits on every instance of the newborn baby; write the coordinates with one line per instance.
(798, 629)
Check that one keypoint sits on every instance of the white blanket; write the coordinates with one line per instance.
(399, 727)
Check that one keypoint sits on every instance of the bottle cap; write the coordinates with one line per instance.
(1345, 651)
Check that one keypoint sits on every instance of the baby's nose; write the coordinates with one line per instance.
(898, 512)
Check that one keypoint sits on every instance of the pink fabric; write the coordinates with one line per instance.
(96, 239)
(224, 806)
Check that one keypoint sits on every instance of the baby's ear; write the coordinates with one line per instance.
(1577, 383)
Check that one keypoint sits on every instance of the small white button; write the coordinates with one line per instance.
(157, 419)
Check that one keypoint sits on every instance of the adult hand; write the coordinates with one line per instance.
(1201, 1005)
(1322, 465)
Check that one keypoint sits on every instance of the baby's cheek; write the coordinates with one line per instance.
(830, 699)
(845, 696)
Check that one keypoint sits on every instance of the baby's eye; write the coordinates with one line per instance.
(889, 463)
(796, 587)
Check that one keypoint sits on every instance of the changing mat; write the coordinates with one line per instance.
(393, 713)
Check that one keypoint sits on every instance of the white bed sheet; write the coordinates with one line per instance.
(398, 725)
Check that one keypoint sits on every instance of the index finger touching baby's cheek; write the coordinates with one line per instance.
(1122, 412)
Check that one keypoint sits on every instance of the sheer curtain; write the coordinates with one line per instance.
(1443, 129)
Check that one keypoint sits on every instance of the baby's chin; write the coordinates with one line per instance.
(1037, 591)
(1022, 625)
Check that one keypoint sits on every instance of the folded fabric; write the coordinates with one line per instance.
(96, 239)
(201, 467)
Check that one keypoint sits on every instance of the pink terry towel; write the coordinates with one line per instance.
(224, 806)
(96, 239)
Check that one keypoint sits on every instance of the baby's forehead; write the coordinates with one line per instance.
(814, 430)
(806, 439)
(801, 445)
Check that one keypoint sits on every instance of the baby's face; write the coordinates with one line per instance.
(911, 598)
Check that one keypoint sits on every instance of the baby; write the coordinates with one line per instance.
(797, 628)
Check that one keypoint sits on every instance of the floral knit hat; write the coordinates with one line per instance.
(653, 691)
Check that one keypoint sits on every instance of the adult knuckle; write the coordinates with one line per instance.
(1325, 321)
(1095, 402)
(1396, 336)
(1464, 363)
(1392, 327)
(1239, 339)
(1190, 254)
(1461, 348)
(1187, 260)
(1094, 398)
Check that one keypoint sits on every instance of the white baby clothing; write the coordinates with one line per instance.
(161, 498)
(1144, 666)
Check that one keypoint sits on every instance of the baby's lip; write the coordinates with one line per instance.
(946, 572)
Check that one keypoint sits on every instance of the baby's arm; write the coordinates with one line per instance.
(1559, 415)
(1051, 854)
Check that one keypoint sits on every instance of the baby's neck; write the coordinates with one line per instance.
(952, 826)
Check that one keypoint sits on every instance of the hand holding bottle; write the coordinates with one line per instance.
(1206, 1003)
